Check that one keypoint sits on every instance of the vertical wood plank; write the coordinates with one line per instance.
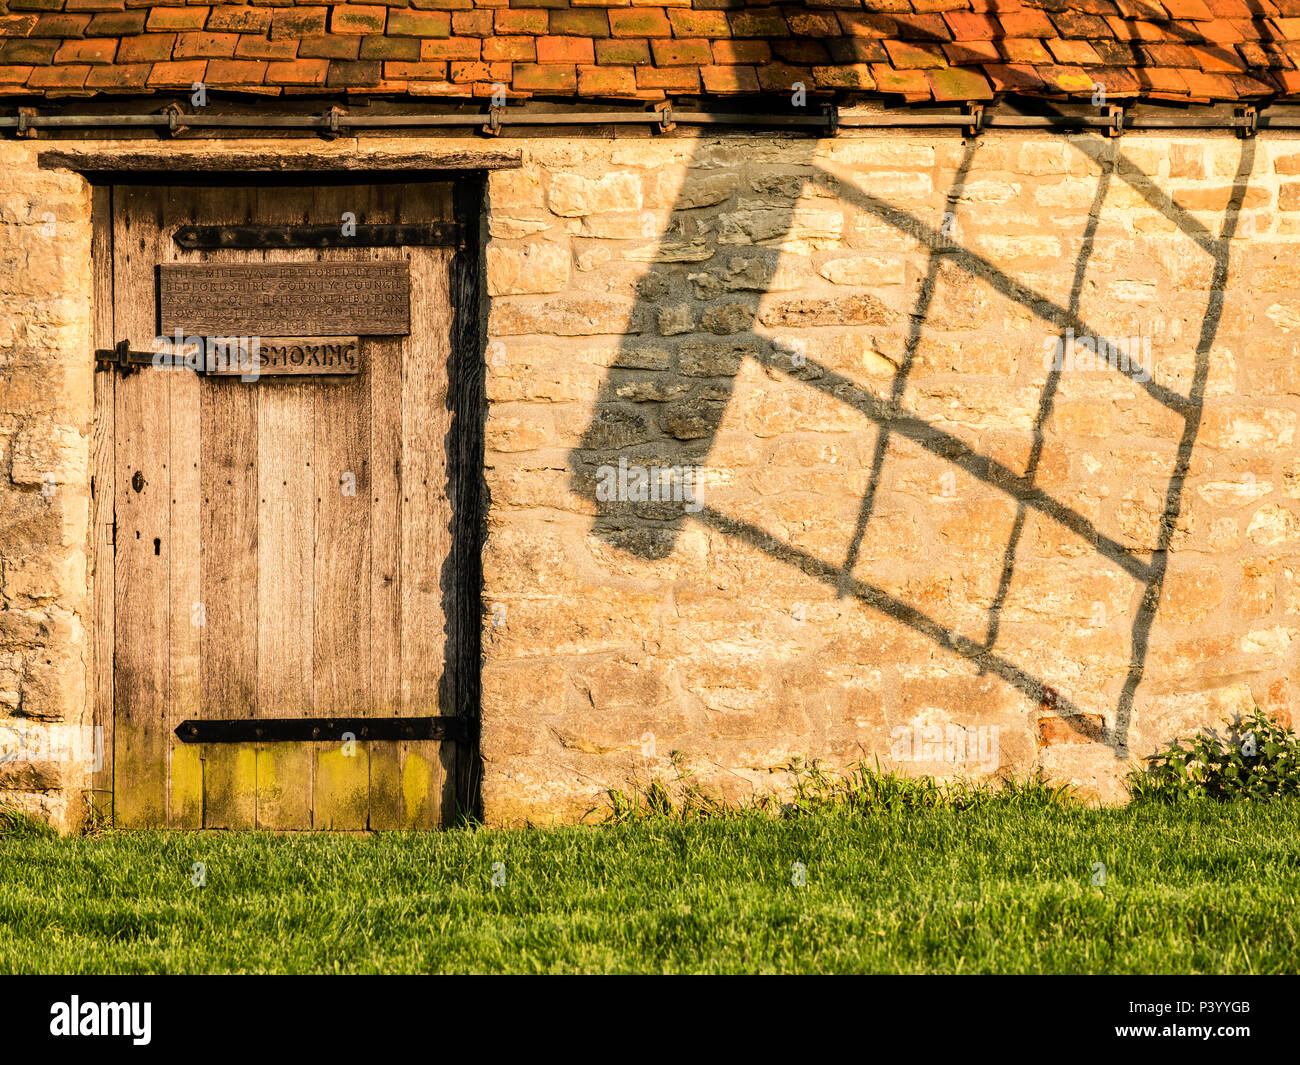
(342, 538)
(229, 477)
(385, 584)
(188, 610)
(426, 520)
(385, 578)
(229, 639)
(142, 560)
(342, 640)
(286, 595)
(103, 503)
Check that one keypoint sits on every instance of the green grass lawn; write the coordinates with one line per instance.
(1205, 888)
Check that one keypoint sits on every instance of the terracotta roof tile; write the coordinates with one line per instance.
(1071, 81)
(1168, 55)
(1251, 85)
(958, 84)
(968, 26)
(853, 50)
(944, 50)
(908, 56)
(1029, 51)
(1191, 9)
(1080, 52)
(1025, 22)
(972, 53)
(1015, 77)
(1119, 81)
(1157, 81)
(910, 84)
(1121, 53)
(1075, 24)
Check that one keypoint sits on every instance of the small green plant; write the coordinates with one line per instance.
(865, 789)
(14, 824)
(1255, 757)
(655, 801)
(99, 813)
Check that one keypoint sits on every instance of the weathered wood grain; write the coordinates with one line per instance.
(188, 611)
(342, 618)
(303, 561)
(427, 588)
(384, 358)
(214, 159)
(229, 487)
(280, 297)
(286, 593)
(103, 489)
(143, 554)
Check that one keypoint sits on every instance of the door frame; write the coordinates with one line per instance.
(467, 391)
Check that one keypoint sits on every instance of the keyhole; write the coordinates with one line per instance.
(157, 546)
(137, 481)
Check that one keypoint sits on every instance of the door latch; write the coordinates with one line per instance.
(124, 357)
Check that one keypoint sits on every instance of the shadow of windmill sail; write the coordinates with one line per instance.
(716, 304)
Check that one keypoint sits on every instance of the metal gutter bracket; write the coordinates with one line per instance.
(1248, 121)
(665, 113)
(976, 114)
(492, 128)
(174, 114)
(332, 116)
(25, 116)
(832, 120)
(1116, 115)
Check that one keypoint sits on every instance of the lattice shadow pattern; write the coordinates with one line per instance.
(894, 420)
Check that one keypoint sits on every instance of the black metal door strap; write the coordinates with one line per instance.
(322, 729)
(353, 235)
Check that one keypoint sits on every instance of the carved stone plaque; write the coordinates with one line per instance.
(286, 356)
(285, 299)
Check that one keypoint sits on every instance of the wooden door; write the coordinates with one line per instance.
(276, 549)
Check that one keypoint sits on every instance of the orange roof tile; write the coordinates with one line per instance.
(948, 50)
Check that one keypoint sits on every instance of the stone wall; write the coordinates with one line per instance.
(914, 534)
(908, 522)
(46, 402)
